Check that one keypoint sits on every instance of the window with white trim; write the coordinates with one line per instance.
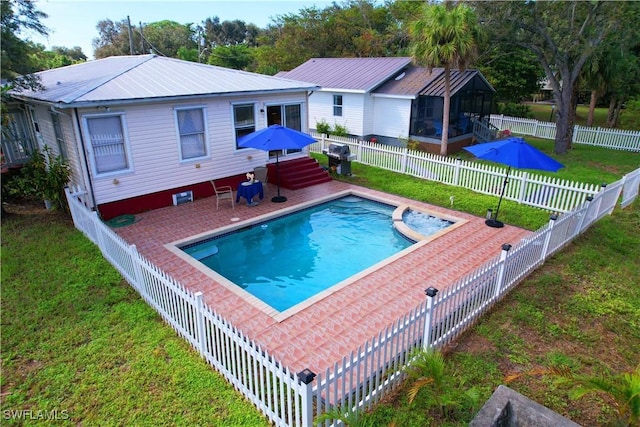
(108, 144)
(191, 132)
(337, 105)
(244, 121)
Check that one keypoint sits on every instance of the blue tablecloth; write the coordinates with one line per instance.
(249, 191)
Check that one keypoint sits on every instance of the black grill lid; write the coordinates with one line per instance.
(338, 150)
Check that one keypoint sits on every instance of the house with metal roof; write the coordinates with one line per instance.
(391, 100)
(137, 130)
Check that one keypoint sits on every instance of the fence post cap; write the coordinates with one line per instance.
(431, 291)
(306, 376)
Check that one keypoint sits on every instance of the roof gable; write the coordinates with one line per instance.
(145, 77)
(352, 74)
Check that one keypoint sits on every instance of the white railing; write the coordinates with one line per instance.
(602, 137)
(362, 378)
(284, 398)
(631, 183)
(545, 192)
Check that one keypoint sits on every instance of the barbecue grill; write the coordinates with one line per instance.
(340, 158)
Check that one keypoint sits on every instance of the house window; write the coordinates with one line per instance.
(244, 121)
(108, 144)
(57, 130)
(192, 132)
(337, 105)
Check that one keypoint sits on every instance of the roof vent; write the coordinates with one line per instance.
(401, 76)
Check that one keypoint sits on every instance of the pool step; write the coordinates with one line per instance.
(298, 173)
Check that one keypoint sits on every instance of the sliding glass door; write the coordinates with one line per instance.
(287, 115)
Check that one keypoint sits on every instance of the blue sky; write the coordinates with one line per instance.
(73, 22)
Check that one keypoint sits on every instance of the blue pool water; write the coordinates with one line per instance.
(289, 259)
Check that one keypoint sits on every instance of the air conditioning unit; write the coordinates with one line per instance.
(184, 197)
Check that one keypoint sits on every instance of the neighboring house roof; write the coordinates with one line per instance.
(347, 74)
(119, 79)
(416, 81)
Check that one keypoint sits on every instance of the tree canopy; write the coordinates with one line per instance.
(563, 36)
(589, 47)
(18, 56)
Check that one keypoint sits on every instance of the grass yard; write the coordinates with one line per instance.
(628, 118)
(581, 309)
(79, 344)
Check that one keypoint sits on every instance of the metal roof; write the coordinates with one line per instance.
(349, 74)
(148, 77)
(416, 81)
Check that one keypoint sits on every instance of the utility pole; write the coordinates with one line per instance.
(142, 51)
(130, 35)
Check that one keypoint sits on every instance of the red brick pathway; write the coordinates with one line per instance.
(323, 333)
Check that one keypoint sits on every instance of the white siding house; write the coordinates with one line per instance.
(391, 117)
(136, 129)
(392, 100)
(351, 79)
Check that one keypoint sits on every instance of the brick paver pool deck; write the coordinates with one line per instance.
(320, 335)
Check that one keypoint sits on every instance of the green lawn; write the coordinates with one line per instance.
(629, 119)
(78, 340)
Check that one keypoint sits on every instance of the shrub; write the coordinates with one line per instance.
(339, 130)
(323, 127)
(515, 110)
(43, 177)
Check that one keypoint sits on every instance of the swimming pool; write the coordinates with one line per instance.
(288, 261)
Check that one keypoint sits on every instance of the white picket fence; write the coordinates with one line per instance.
(279, 394)
(362, 378)
(602, 137)
(545, 192)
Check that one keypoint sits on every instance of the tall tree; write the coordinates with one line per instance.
(563, 35)
(353, 29)
(446, 36)
(18, 60)
(514, 75)
(163, 37)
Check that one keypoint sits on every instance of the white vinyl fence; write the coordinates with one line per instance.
(362, 378)
(602, 137)
(279, 394)
(366, 375)
(545, 192)
(631, 182)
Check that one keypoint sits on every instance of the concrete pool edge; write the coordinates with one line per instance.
(175, 248)
(405, 230)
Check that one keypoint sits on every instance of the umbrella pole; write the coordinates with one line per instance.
(493, 222)
(278, 198)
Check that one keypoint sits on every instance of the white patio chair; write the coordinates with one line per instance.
(223, 192)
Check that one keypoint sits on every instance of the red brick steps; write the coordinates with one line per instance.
(298, 173)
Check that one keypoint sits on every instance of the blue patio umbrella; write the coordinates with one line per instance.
(276, 137)
(513, 152)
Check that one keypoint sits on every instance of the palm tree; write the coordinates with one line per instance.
(448, 37)
(443, 388)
